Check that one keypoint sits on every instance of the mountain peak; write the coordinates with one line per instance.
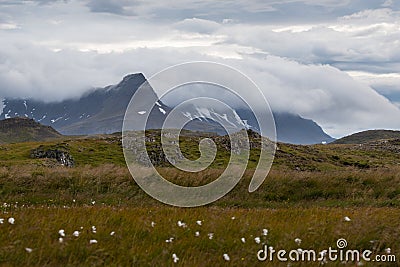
(130, 81)
(133, 77)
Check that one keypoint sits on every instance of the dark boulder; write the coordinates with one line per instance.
(62, 156)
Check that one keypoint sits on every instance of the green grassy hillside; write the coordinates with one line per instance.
(107, 149)
(307, 195)
(329, 175)
(25, 130)
(368, 136)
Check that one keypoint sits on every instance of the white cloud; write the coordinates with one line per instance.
(388, 3)
(197, 25)
(369, 16)
(327, 95)
(384, 83)
(9, 26)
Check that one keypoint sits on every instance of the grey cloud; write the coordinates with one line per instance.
(322, 93)
(303, 72)
(21, 2)
(272, 11)
(197, 25)
(106, 6)
(366, 40)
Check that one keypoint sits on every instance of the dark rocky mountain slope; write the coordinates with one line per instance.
(102, 111)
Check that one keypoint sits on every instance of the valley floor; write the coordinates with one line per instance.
(313, 196)
(129, 236)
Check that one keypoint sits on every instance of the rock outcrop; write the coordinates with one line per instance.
(62, 156)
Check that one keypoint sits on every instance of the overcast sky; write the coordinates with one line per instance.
(334, 61)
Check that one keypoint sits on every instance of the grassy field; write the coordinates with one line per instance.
(307, 195)
(136, 243)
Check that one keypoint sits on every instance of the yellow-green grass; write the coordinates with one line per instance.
(307, 194)
(137, 243)
(101, 150)
(113, 185)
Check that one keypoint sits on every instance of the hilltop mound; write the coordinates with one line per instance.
(368, 136)
(25, 130)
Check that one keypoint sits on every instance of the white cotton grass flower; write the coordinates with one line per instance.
(265, 232)
(197, 233)
(182, 224)
(94, 229)
(226, 257)
(169, 240)
(153, 224)
(298, 241)
(243, 240)
(210, 236)
(257, 240)
(93, 241)
(175, 258)
(388, 250)
(11, 220)
(199, 223)
(347, 219)
(1, 220)
(233, 218)
(29, 250)
(93, 202)
(75, 233)
(61, 232)
(60, 240)
(112, 233)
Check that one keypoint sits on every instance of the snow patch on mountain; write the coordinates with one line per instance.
(44, 117)
(248, 126)
(2, 105)
(7, 116)
(55, 120)
(162, 110)
(223, 116)
(204, 112)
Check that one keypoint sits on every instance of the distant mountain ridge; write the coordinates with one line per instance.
(368, 136)
(101, 111)
(25, 130)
